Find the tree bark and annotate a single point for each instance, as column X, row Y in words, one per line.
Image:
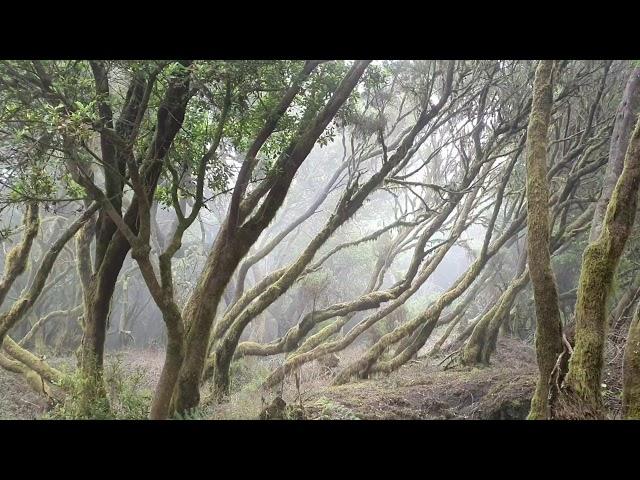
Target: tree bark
column 233, row 243
column 111, row 244
column 15, row 262
column 581, row 395
column 545, row 293
column 622, row 128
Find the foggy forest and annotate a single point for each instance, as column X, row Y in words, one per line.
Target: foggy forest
column 319, row 239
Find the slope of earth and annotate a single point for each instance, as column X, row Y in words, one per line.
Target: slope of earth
column 17, row 400
column 423, row 390
column 419, row 390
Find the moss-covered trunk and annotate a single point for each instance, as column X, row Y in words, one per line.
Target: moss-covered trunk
column 548, row 328
column 581, row 396
column 16, row 259
column 236, row 238
column 482, row 342
column 97, row 304
column 174, row 355
column 198, row 316
column 222, row 357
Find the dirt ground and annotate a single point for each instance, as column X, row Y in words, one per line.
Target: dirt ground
column 17, row 400
column 423, row 390
column 419, row 390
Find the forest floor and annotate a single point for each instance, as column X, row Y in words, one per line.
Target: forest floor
column 423, row 390
column 419, row 390
column 17, row 399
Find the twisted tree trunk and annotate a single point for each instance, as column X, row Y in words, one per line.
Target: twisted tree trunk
column 581, row 387
column 234, row 241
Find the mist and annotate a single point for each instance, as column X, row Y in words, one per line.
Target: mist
column 241, row 239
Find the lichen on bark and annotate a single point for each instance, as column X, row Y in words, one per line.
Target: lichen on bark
column 548, row 328
column 581, row 389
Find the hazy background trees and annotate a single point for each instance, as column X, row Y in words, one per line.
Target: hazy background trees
column 361, row 214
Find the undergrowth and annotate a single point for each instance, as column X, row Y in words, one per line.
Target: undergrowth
column 128, row 397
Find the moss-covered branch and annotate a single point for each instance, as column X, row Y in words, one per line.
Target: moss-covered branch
column 29, row 297
column 15, row 262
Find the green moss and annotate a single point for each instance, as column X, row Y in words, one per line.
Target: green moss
column 330, row 410
column 126, row 397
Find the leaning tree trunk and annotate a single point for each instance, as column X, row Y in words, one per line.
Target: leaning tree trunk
column 485, row 333
column 233, row 243
column 545, row 293
column 622, row 128
column 29, row 297
column 161, row 404
column 581, row 396
column 15, row 261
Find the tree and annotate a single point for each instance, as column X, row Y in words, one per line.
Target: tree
column 581, row 395
column 548, row 331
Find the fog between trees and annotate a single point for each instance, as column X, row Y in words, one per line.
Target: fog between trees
column 268, row 228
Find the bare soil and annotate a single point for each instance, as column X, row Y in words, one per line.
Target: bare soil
column 419, row 390
column 422, row 390
column 17, row 399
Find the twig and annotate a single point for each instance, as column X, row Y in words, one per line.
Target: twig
column 448, row 356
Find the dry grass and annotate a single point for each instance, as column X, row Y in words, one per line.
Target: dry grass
column 17, row 400
column 422, row 390
column 419, row 390
column 612, row 377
